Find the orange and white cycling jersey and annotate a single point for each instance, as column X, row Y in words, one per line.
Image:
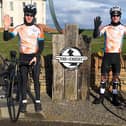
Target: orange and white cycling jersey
column 29, row 36
column 113, row 38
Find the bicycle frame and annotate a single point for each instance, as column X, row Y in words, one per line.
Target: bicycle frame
column 12, row 81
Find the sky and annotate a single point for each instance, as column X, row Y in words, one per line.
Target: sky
column 82, row 12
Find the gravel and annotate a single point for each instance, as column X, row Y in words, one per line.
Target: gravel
column 84, row 111
column 76, row 112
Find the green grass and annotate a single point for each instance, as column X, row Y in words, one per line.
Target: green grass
column 96, row 44
column 7, row 46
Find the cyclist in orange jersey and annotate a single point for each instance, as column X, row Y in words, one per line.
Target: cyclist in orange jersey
column 31, row 44
column 113, row 36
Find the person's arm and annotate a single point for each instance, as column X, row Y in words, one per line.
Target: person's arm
column 124, row 29
column 6, row 34
column 46, row 28
column 40, row 41
column 41, row 47
column 97, row 23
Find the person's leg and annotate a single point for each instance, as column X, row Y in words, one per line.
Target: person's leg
column 102, row 90
column 116, row 72
column 24, row 77
column 104, row 78
column 115, row 85
column 35, row 74
column 103, row 83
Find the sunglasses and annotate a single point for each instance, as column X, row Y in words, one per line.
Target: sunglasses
column 29, row 14
column 115, row 15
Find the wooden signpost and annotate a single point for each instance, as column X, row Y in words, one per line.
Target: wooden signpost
column 70, row 84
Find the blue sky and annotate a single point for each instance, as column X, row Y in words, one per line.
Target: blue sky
column 82, row 12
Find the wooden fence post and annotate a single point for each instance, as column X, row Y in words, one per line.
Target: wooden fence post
column 70, row 84
column 70, row 76
column 58, row 70
column 84, row 74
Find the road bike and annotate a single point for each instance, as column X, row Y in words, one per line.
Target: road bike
column 11, row 84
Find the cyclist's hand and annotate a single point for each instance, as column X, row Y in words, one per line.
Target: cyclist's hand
column 7, row 22
column 33, row 61
column 97, row 22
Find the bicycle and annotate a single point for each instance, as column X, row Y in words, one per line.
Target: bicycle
column 12, row 84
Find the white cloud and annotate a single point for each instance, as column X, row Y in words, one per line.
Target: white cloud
column 82, row 12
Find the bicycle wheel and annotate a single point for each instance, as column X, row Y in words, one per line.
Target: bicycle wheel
column 1, row 60
column 14, row 98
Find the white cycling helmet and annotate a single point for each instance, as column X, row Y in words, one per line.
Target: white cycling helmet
column 116, row 10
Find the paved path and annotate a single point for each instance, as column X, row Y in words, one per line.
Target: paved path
column 66, row 113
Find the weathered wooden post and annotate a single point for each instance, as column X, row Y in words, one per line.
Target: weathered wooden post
column 70, row 76
column 84, row 74
column 58, row 70
column 69, row 50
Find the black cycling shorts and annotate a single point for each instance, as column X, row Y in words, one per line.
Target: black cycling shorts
column 111, row 61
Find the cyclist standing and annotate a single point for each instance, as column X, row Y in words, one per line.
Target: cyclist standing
column 31, row 39
column 113, row 35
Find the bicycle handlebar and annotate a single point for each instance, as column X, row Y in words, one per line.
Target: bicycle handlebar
column 15, row 61
column 19, row 62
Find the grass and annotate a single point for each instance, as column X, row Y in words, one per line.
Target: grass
column 96, row 44
column 7, row 46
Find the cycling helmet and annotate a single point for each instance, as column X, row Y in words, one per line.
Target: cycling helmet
column 116, row 10
column 30, row 9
